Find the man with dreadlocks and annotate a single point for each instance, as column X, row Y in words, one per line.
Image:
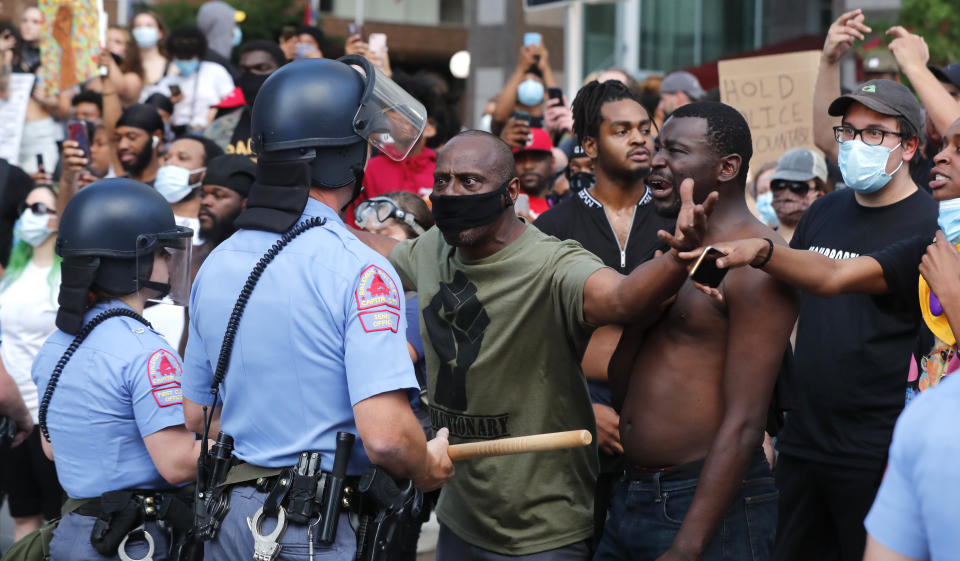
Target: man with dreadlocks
column 693, row 387
column 616, row 221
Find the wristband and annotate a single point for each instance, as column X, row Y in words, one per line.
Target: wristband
column 767, row 258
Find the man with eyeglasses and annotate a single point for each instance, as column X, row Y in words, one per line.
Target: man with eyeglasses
column 800, row 179
column 857, row 327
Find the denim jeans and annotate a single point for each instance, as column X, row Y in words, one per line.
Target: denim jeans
column 71, row 541
column 646, row 515
column 234, row 542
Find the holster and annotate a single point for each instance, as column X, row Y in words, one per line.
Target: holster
column 119, row 514
column 397, row 509
column 212, row 500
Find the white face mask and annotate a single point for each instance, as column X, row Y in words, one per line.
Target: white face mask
column 32, row 228
column 173, row 182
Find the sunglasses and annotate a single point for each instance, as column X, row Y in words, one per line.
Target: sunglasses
column 37, row 208
column 799, row 188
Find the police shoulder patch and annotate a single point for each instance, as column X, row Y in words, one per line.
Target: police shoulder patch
column 377, row 288
column 379, row 320
column 163, row 368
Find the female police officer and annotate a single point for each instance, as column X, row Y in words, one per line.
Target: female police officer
column 111, row 410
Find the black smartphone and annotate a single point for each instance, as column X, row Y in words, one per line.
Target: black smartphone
column 705, row 270
column 174, row 90
column 555, row 93
column 40, row 164
column 521, row 116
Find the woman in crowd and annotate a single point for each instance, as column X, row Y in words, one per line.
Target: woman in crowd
column 148, row 31
column 28, row 308
column 126, row 68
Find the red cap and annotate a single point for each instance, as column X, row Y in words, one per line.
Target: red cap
column 539, row 140
column 233, row 99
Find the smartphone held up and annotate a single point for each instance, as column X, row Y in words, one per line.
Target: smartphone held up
column 705, row 270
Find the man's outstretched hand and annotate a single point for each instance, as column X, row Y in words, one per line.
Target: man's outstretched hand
column 691, row 222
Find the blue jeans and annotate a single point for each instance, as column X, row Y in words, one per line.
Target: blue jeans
column 646, row 515
column 234, row 542
column 71, row 541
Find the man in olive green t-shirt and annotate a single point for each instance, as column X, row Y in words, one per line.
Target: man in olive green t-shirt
column 506, row 312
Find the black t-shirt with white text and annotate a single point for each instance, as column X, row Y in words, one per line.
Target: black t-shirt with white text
column 581, row 217
column 853, row 350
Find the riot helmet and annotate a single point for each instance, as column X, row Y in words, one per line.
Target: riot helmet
column 311, row 125
column 107, row 238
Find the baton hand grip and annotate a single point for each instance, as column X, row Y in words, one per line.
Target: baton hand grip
column 520, row 445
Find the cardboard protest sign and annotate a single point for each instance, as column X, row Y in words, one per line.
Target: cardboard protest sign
column 13, row 111
column 71, row 36
column 775, row 94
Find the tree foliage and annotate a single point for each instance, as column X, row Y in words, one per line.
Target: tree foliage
column 938, row 22
column 265, row 18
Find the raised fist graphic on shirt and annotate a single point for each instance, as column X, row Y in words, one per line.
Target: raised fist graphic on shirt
column 456, row 321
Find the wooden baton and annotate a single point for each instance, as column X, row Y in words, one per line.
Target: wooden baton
column 520, row 444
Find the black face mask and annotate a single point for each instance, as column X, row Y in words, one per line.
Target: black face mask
column 581, row 180
column 457, row 213
column 249, row 83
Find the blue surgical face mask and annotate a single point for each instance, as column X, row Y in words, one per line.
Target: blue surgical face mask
column 864, row 166
column 949, row 219
column 530, row 93
column 173, row 182
column 187, row 67
column 765, row 208
column 304, row 50
column 32, row 228
column 145, row 36
column 237, row 36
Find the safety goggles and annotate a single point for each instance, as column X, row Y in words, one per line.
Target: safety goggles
column 382, row 209
column 799, row 188
column 36, row 208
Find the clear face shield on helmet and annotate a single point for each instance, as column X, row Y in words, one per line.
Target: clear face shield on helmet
column 166, row 256
column 376, row 211
column 389, row 118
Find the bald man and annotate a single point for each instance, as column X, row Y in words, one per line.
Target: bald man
column 506, row 312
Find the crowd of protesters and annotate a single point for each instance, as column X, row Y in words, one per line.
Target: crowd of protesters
column 844, row 236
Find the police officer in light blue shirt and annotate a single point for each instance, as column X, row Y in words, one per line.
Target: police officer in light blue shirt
column 318, row 344
column 111, row 412
column 915, row 513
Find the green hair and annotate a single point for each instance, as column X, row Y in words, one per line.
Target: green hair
column 19, row 258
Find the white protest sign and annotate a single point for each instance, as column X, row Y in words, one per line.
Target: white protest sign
column 13, row 112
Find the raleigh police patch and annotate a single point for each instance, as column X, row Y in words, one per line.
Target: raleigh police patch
column 380, row 320
column 377, row 288
column 163, row 368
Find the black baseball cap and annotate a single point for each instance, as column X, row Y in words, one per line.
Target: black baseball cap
column 885, row 97
column 949, row 73
column 232, row 171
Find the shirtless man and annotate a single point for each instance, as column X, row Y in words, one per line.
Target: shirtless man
column 695, row 386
